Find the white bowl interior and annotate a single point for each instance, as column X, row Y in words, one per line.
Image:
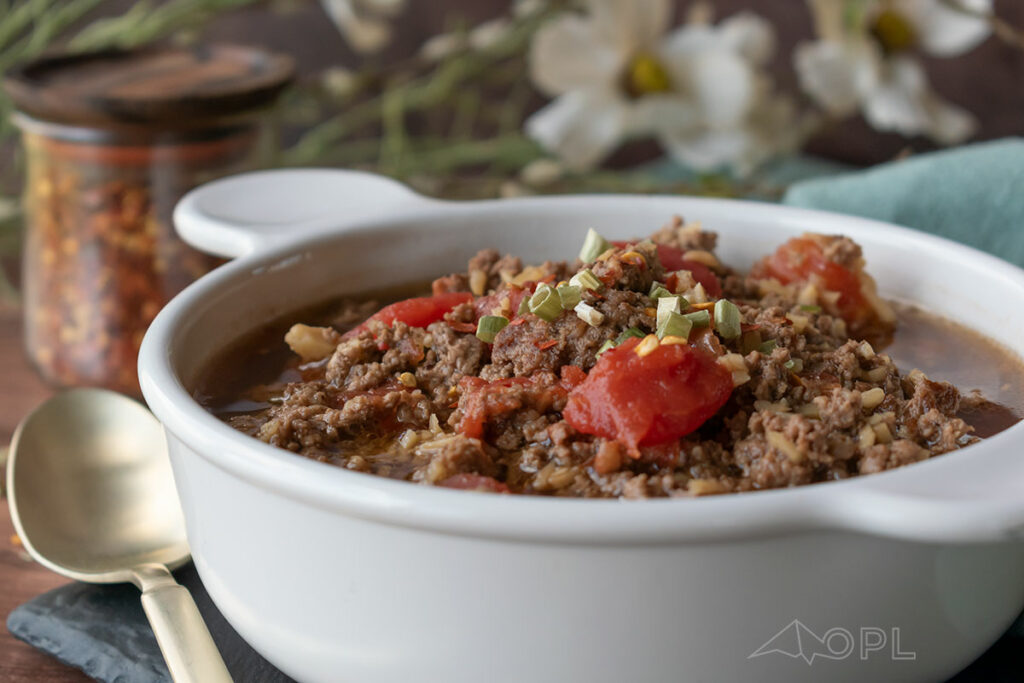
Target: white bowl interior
column 942, row 277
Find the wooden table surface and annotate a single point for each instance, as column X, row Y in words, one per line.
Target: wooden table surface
column 20, row 577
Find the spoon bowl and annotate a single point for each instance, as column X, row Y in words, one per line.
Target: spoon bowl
column 96, row 476
column 92, row 497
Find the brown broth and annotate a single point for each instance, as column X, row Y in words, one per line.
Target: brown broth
column 922, row 341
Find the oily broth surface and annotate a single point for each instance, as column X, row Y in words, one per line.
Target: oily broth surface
column 246, row 374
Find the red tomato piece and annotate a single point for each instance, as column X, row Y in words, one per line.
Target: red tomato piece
column 652, row 399
column 486, row 305
column 672, row 259
column 482, row 400
column 417, row 312
column 474, row 482
column 801, row 258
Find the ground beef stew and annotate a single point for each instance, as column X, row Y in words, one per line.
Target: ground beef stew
column 646, row 368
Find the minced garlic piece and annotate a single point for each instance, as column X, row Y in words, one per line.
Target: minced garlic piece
column 871, row 398
column 781, row 443
column 647, row 345
column 477, row 282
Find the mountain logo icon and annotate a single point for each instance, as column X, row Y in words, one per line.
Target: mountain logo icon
column 797, row 641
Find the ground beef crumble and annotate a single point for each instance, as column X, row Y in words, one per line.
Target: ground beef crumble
column 436, row 405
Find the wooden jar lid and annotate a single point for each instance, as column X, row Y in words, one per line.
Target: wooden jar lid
column 159, row 87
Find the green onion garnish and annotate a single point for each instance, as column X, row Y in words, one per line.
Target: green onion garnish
column 545, row 303
column 604, row 347
column 524, row 306
column 593, row 246
column 674, row 325
column 589, row 314
column 629, row 332
column 489, row 326
column 699, row 318
column 794, row 365
column 666, row 305
column 767, row 347
column 727, row 319
column 659, row 292
column 810, row 308
column 585, row 279
column 569, row 295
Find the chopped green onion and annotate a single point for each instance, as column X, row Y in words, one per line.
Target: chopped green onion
column 666, row 305
column 794, row 365
column 569, row 295
column 699, row 318
column 727, row 319
column 593, row 246
column 810, row 308
column 489, row 326
column 627, row 333
column 604, row 347
column 674, row 325
column 659, row 292
column 545, row 303
column 589, row 314
column 585, row 279
column 524, row 306
column 767, row 347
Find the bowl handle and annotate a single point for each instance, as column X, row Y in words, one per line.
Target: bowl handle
column 240, row 214
column 958, row 498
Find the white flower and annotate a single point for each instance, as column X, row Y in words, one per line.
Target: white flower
column 863, row 61
column 363, row 23
column 615, row 74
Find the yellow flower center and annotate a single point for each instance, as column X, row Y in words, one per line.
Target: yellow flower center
column 645, row 75
column 892, row 31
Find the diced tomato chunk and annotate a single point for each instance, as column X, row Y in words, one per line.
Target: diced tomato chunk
column 672, row 259
column 651, row 399
column 417, row 312
column 802, row 258
column 487, row 305
column 468, row 481
column 482, row 400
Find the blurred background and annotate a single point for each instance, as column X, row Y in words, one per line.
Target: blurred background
column 461, row 99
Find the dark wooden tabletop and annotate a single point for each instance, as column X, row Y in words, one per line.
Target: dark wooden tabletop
column 20, row 577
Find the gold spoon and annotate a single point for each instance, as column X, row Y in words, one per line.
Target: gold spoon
column 92, row 497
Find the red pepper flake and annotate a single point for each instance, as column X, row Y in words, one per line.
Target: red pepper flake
column 546, row 345
column 597, row 295
column 461, row 327
column 382, row 347
column 517, row 321
column 548, row 279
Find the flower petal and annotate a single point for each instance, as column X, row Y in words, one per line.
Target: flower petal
column 719, row 81
column 630, row 25
column 831, row 75
column 944, row 31
column 749, row 35
column 903, row 102
column 581, row 127
column 568, row 54
column 707, row 149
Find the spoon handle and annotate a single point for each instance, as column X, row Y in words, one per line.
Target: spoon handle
column 188, row 648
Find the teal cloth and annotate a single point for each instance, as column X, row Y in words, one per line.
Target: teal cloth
column 972, row 194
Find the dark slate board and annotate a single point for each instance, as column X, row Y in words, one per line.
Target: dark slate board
column 102, row 630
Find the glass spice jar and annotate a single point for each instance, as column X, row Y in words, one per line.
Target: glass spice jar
column 100, row 254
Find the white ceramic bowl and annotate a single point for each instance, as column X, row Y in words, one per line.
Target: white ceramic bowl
column 339, row 576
